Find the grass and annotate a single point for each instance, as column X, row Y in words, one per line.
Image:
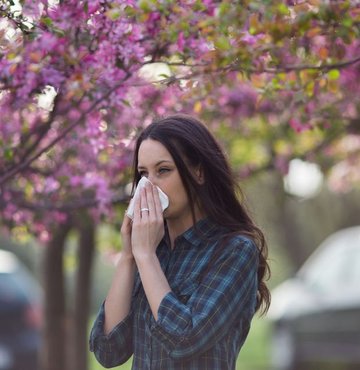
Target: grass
column 254, row 355
column 94, row 365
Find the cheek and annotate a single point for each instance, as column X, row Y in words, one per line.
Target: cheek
column 174, row 195
column 169, row 188
column 175, row 190
column 178, row 198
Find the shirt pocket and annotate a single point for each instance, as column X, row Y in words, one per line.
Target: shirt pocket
column 184, row 289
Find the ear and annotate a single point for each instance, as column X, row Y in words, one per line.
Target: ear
column 199, row 175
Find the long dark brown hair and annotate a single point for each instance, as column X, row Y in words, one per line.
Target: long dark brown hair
column 191, row 145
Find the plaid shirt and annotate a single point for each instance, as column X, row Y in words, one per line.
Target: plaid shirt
column 203, row 322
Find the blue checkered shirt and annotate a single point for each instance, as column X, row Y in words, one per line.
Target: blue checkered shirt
column 204, row 320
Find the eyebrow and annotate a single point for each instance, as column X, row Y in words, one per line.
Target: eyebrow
column 158, row 163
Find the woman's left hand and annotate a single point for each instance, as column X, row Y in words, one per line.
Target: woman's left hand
column 148, row 222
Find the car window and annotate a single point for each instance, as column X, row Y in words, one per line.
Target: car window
column 354, row 271
column 10, row 289
column 335, row 268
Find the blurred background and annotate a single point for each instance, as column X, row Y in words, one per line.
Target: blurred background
column 277, row 82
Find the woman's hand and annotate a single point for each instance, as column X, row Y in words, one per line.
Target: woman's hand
column 148, row 223
column 147, row 232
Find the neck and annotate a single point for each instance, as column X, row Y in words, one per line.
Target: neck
column 175, row 229
column 178, row 226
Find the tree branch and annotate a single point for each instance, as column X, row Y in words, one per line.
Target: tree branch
column 68, row 206
column 44, row 128
column 236, row 67
column 21, row 166
column 278, row 69
column 316, row 149
column 301, row 67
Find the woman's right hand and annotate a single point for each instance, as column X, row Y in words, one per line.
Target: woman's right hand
column 125, row 231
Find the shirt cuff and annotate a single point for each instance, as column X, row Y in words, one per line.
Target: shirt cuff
column 117, row 337
column 171, row 322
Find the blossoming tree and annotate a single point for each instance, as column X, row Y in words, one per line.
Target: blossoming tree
column 79, row 78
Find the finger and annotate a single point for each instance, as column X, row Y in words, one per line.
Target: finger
column 126, row 226
column 137, row 207
column 126, row 220
column 157, row 202
column 144, row 208
column 150, row 200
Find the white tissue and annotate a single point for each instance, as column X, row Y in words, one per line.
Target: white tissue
column 164, row 200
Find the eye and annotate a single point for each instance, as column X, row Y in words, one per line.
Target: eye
column 163, row 170
column 143, row 173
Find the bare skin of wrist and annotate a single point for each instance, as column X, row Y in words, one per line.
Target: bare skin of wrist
column 118, row 300
column 153, row 279
column 126, row 256
column 144, row 255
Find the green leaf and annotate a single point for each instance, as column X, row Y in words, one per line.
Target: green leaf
column 333, row 74
column 224, row 8
column 113, row 14
column 126, row 102
column 8, row 154
column 347, row 22
column 129, row 11
column 145, row 5
column 283, row 9
column 47, row 21
column 222, row 43
column 59, row 32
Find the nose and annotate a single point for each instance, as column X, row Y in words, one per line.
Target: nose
column 152, row 179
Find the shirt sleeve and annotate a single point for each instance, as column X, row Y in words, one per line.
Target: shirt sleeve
column 226, row 294
column 116, row 347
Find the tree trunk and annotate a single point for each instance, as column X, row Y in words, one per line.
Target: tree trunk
column 81, row 309
column 289, row 229
column 55, row 315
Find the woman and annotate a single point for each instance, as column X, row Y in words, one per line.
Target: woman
column 189, row 279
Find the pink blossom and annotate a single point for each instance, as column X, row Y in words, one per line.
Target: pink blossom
column 47, row 41
column 74, row 114
column 180, row 42
column 282, row 164
column 251, row 40
column 92, row 60
column 52, row 76
column 75, row 181
column 239, row 101
column 50, row 185
column 298, row 126
column 59, row 217
column 44, row 236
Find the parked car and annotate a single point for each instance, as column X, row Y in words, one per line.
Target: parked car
column 316, row 314
column 20, row 315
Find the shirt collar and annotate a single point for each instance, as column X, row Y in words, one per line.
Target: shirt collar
column 200, row 231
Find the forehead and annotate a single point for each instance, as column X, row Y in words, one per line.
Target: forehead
column 151, row 152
